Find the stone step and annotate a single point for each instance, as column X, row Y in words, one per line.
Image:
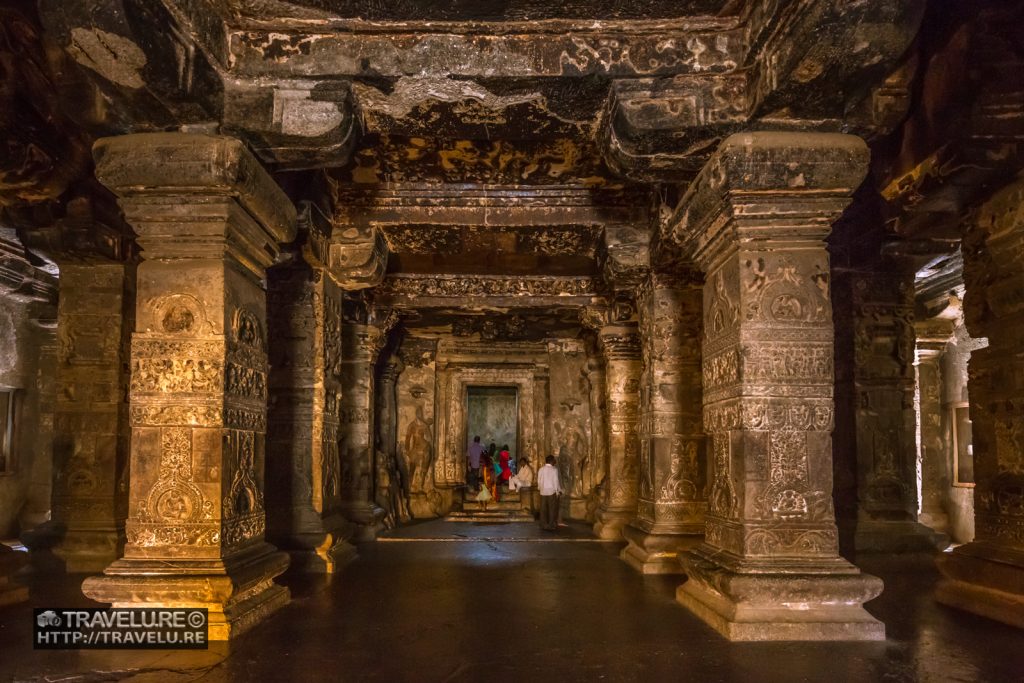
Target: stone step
column 491, row 516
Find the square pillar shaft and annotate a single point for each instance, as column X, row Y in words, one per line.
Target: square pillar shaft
column 208, row 220
column 876, row 308
column 620, row 346
column 361, row 344
column 756, row 219
column 94, row 320
column 986, row 576
column 304, row 507
column 672, row 503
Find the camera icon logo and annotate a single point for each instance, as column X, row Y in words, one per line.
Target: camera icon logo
column 48, row 618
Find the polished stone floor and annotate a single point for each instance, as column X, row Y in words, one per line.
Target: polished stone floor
column 512, row 603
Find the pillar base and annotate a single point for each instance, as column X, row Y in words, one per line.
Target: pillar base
column 89, row 552
column 876, row 536
column 610, row 523
column 239, row 591
column 367, row 518
column 780, row 600
column 331, row 556
column 650, row 552
column 317, row 545
column 985, row 579
column 10, row 562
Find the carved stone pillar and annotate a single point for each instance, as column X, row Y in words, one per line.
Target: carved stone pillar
column 391, row 474
column 620, row 345
column 90, row 497
column 756, row 219
column 208, row 219
column 304, row 505
column 876, row 308
column 361, row 343
column 986, row 576
column 932, row 337
column 672, row 501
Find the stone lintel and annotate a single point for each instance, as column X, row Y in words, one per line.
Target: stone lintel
column 783, row 187
column 176, row 165
column 440, row 291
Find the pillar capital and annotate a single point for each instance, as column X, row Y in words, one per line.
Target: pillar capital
column 196, row 196
column 355, row 257
column 620, row 342
column 766, row 186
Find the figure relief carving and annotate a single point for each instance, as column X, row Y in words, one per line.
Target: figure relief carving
column 176, row 375
column 573, row 455
column 244, row 496
column 786, row 295
column 681, row 482
column 181, row 315
column 419, row 451
column 646, row 470
column 175, row 511
column 723, row 313
column 722, row 500
column 247, row 329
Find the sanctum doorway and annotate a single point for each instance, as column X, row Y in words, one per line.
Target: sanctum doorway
column 492, row 414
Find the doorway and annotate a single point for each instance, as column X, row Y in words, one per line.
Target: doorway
column 492, row 413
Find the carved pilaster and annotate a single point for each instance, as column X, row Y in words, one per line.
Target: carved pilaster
column 987, row 576
column 304, row 506
column 755, row 221
column 208, row 220
column 671, row 500
column 620, row 346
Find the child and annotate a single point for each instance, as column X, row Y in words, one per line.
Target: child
column 483, row 497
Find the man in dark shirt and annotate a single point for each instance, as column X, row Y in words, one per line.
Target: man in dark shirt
column 473, row 455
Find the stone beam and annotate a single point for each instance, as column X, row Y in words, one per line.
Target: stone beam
column 757, row 217
column 811, row 65
column 986, row 576
column 523, row 50
column 444, row 291
column 208, row 220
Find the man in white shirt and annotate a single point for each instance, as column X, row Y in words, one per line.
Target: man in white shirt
column 549, row 489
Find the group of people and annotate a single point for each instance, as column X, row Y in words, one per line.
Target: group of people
column 490, row 472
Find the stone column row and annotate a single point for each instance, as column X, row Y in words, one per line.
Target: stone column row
column 986, row 576
column 208, row 220
column 755, row 221
column 672, row 476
